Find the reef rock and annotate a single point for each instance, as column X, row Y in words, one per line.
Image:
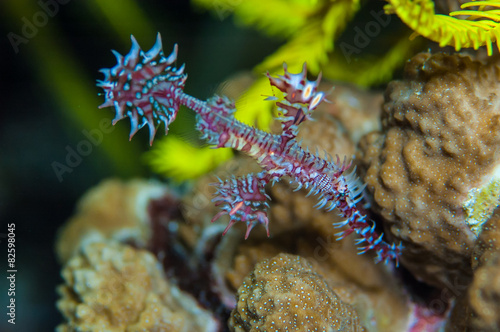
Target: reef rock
column 112, row 210
column 115, row 287
column 434, row 169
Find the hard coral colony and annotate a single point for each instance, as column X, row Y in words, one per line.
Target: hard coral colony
column 147, row 88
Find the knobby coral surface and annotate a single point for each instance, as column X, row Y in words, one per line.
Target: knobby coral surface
column 433, row 170
column 114, row 287
column 379, row 299
column 285, row 294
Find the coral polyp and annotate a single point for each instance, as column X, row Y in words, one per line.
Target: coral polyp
column 146, row 87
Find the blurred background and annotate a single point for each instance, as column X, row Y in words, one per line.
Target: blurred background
column 49, row 66
column 52, row 141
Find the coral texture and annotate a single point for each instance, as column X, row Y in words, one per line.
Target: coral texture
column 484, row 295
column 114, row 287
column 440, row 143
column 380, row 301
column 488, row 242
column 432, row 170
column 285, row 294
column 357, row 110
column 112, row 210
column 478, row 308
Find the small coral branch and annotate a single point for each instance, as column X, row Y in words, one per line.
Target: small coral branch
column 146, row 87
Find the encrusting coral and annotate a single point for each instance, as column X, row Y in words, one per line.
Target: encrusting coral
column 439, row 145
column 484, row 292
column 379, row 300
column 285, row 294
column 110, row 282
column 114, row 287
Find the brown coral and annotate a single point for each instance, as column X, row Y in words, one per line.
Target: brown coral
column 357, row 110
column 484, row 294
column 440, row 142
column 478, row 309
column 112, row 210
column 285, row 294
column 371, row 289
column 114, row 287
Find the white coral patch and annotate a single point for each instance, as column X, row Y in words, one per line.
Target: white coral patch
column 482, row 201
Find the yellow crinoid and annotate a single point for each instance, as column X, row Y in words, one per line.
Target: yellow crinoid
column 480, row 28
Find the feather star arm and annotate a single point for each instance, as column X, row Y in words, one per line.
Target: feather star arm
column 480, row 28
column 148, row 88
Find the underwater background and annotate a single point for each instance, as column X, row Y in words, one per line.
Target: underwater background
column 56, row 144
column 49, row 99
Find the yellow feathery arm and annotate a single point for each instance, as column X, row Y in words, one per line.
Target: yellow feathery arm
column 481, row 28
column 275, row 17
column 314, row 40
column 180, row 160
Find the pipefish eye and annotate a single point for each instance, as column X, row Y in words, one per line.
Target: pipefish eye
column 342, row 192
